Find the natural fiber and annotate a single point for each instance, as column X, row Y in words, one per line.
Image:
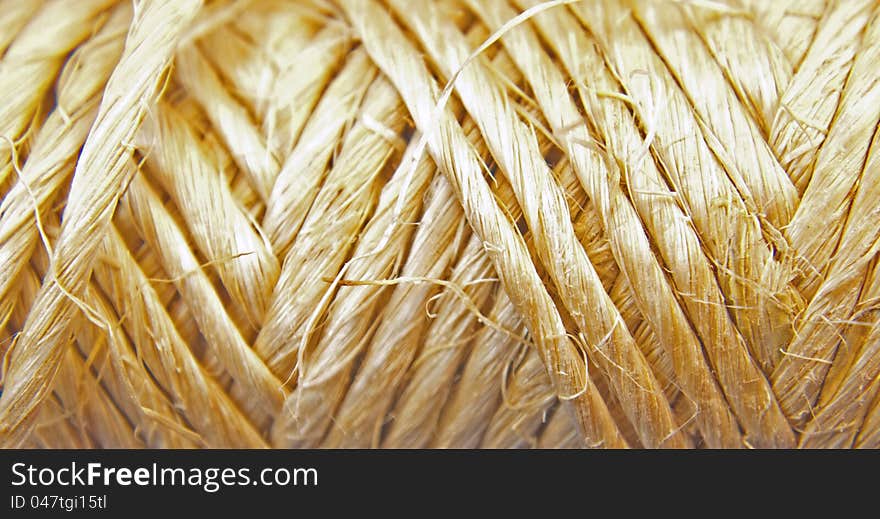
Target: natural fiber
column 440, row 223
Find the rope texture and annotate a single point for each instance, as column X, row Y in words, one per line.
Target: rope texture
column 440, row 223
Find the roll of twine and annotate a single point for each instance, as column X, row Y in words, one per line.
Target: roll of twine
column 440, row 223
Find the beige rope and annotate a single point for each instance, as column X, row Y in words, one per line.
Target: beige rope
column 454, row 223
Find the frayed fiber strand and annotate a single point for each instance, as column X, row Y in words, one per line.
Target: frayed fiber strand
column 440, row 223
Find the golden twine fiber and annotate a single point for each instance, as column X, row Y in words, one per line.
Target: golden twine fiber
column 440, row 223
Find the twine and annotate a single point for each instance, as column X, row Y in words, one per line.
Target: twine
column 439, row 223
